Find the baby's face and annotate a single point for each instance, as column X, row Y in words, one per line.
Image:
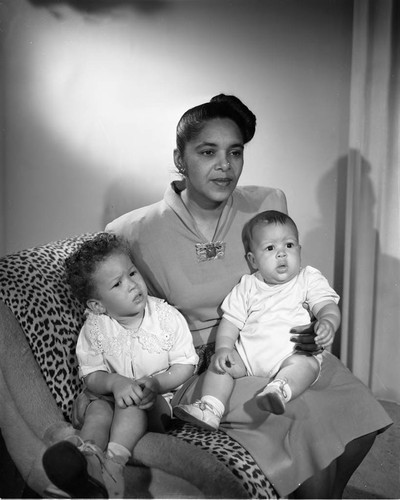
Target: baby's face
column 275, row 252
column 120, row 287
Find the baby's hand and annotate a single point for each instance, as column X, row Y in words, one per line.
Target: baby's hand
column 325, row 333
column 222, row 359
column 127, row 392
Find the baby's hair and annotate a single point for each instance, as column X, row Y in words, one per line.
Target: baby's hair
column 220, row 106
column 267, row 217
column 81, row 265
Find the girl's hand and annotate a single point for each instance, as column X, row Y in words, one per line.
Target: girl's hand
column 127, row 392
column 151, row 389
column 325, row 332
column 222, row 360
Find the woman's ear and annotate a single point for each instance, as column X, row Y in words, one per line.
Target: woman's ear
column 179, row 164
column 252, row 261
column 95, row 306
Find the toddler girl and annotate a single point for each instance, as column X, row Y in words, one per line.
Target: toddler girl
column 132, row 349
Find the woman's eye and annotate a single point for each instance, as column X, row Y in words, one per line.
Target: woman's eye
column 132, row 273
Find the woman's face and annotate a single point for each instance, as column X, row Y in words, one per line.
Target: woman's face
column 212, row 162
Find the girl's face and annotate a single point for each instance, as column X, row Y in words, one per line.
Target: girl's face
column 213, row 162
column 275, row 252
column 120, row 289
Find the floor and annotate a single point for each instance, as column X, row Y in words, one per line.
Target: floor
column 379, row 474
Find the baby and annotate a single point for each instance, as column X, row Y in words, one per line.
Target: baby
column 253, row 337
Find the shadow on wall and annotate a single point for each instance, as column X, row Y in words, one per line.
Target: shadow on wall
column 372, row 295
column 102, row 6
column 332, row 191
column 125, row 194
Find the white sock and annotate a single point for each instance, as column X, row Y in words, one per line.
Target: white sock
column 116, row 449
column 216, row 404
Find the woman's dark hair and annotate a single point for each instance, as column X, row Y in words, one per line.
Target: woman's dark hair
column 267, row 217
column 220, row 106
column 81, row 265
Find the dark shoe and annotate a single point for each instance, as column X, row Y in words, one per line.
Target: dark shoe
column 67, row 468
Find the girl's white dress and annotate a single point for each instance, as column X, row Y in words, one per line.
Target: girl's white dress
column 163, row 339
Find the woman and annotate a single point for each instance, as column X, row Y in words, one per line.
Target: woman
column 188, row 248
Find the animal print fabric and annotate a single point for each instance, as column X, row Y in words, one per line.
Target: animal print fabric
column 32, row 285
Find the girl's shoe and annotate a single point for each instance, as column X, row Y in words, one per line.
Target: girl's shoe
column 113, row 475
column 73, row 469
column 274, row 397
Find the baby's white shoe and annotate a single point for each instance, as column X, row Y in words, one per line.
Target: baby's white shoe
column 199, row 413
column 274, row 397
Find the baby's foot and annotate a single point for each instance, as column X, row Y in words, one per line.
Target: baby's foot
column 199, row 413
column 274, row 397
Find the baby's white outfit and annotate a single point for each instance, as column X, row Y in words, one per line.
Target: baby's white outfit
column 265, row 314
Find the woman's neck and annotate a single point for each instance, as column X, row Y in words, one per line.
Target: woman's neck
column 206, row 217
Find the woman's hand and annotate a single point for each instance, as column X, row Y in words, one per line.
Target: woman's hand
column 151, row 389
column 304, row 338
column 222, row 360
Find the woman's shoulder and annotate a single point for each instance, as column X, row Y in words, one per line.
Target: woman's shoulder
column 261, row 198
column 132, row 221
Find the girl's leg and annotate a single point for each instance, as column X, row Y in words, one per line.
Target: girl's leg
column 76, row 465
column 128, row 427
column 97, row 423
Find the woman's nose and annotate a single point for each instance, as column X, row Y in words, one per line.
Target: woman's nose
column 223, row 163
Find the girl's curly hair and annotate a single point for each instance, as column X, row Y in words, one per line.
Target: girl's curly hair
column 81, row 265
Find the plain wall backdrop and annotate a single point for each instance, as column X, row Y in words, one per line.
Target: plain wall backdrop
column 91, row 102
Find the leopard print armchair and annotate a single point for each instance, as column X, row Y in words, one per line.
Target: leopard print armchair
column 39, row 324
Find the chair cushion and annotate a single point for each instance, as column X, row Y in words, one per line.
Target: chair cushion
column 32, row 286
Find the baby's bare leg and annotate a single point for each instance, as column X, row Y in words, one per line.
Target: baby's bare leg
column 220, row 385
column 300, row 372
column 296, row 374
